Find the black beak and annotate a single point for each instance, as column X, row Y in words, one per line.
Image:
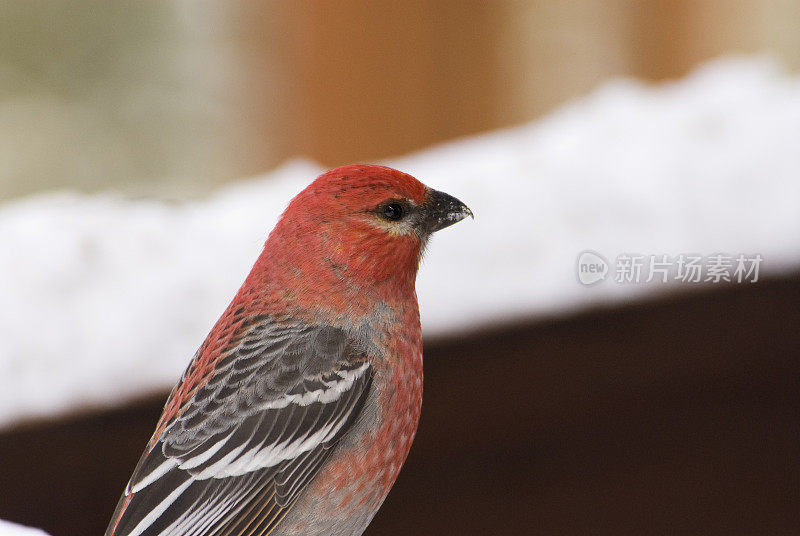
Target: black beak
column 443, row 210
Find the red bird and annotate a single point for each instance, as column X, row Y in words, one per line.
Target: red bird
column 299, row 409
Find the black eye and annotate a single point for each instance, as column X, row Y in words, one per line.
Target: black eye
column 393, row 211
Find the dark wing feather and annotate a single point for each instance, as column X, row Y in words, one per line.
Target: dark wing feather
column 250, row 439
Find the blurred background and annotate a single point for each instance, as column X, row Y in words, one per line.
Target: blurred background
column 675, row 414
column 175, row 98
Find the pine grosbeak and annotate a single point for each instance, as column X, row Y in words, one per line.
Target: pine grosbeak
column 298, row 410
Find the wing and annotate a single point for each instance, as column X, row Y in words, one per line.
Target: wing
column 249, row 440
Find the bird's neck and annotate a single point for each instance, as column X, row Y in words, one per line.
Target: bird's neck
column 351, row 273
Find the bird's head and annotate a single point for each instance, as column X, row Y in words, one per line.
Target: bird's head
column 361, row 225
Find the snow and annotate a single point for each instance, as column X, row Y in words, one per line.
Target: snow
column 12, row 529
column 104, row 299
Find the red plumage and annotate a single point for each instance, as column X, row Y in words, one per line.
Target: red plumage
column 299, row 409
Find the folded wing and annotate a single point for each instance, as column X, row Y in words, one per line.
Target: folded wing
column 251, row 438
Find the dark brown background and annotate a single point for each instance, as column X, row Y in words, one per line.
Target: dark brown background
column 673, row 416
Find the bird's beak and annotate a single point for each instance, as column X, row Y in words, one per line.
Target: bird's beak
column 443, row 210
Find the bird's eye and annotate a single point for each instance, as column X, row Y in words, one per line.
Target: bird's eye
column 393, row 211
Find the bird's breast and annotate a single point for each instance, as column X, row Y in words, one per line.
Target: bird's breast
column 364, row 467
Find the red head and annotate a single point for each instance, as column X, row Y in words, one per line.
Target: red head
column 358, row 229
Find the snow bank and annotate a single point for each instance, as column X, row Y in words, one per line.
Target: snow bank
column 103, row 299
column 12, row 529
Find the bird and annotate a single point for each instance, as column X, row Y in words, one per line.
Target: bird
column 298, row 410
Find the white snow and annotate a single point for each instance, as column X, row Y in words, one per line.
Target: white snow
column 12, row 529
column 104, row 299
